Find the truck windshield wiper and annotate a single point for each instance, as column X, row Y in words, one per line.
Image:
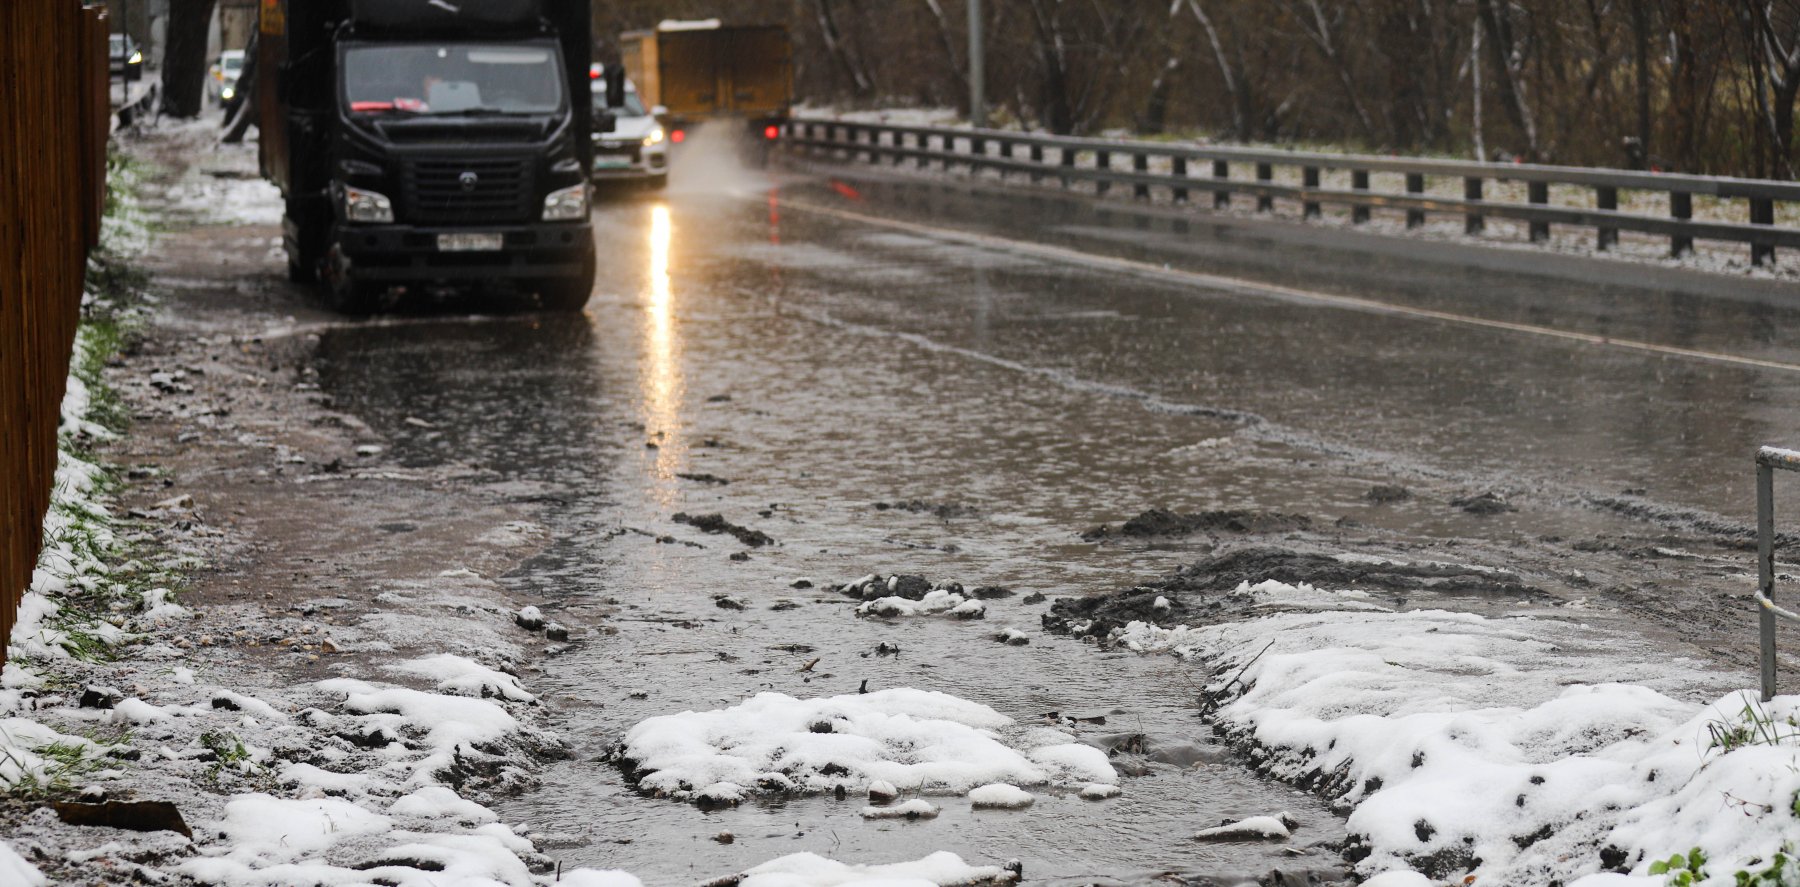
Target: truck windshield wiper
column 478, row 112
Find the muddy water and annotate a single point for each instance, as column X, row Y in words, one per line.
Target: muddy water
column 827, row 372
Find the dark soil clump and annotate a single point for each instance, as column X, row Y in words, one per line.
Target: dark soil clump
column 1206, row 592
column 939, row 510
column 1484, row 504
column 911, row 586
column 1159, row 522
column 716, row 523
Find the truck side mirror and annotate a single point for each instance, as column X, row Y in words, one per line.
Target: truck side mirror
column 615, row 86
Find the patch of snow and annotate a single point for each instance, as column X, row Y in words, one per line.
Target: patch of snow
column 465, row 677
column 448, row 722
column 917, row 808
column 1098, row 791
column 916, row 740
column 14, row 870
column 941, row 869
column 999, row 794
column 935, row 602
column 598, row 878
column 438, row 802
column 1254, row 828
column 1453, row 732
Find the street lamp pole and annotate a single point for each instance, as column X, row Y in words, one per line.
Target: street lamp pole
column 977, row 68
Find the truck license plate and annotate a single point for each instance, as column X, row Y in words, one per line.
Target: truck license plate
column 468, row 242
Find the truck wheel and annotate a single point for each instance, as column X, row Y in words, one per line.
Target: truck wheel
column 301, row 272
column 355, row 298
column 565, row 293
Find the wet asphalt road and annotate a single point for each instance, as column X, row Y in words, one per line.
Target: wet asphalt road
column 833, row 341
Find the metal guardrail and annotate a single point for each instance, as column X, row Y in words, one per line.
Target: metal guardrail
column 1768, row 460
column 1092, row 160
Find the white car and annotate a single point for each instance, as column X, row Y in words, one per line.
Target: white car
column 222, row 80
column 637, row 148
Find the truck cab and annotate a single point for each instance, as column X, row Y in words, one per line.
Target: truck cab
column 420, row 146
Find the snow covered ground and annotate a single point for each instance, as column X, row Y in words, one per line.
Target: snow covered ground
column 1463, row 746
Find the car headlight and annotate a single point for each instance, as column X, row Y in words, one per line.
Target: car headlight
column 137, row 58
column 565, row 204
column 366, row 206
column 654, row 138
column 226, row 93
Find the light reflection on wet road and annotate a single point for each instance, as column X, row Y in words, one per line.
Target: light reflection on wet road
column 821, row 367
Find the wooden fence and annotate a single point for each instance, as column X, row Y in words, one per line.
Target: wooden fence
column 54, row 122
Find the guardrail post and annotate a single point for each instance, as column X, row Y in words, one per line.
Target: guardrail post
column 1681, row 208
column 1359, row 181
column 949, row 149
column 1140, row 163
column 1265, row 173
column 899, row 143
column 874, row 146
column 1102, row 161
column 977, row 147
column 1762, row 212
column 1606, row 197
column 1473, row 222
column 1037, row 160
column 1309, row 177
column 1765, row 572
column 1006, row 153
column 1181, row 193
column 1538, row 193
column 1415, row 184
column 922, row 142
column 1221, row 173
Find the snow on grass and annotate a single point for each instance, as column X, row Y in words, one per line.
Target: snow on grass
column 1462, row 745
column 941, row 869
column 917, row 740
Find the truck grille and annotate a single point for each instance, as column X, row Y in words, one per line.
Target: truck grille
column 472, row 191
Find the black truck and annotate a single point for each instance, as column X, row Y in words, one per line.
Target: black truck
column 425, row 144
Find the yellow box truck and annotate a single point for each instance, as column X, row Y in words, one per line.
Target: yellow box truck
column 702, row 71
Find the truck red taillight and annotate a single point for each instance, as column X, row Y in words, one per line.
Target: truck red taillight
column 678, row 136
column 771, row 132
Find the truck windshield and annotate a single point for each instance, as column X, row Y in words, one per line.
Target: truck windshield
column 453, row 78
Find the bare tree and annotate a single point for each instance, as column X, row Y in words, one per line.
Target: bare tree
column 184, row 61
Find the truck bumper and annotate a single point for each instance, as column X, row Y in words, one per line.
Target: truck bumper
column 408, row 253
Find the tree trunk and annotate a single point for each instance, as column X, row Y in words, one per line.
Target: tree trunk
column 834, row 44
column 1640, row 35
column 1512, row 93
column 1156, row 108
column 184, row 61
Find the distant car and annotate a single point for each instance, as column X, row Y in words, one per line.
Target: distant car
column 637, row 147
column 127, row 58
column 222, row 82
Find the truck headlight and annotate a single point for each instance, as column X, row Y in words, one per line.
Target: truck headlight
column 366, row 206
column 654, row 138
column 565, row 204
